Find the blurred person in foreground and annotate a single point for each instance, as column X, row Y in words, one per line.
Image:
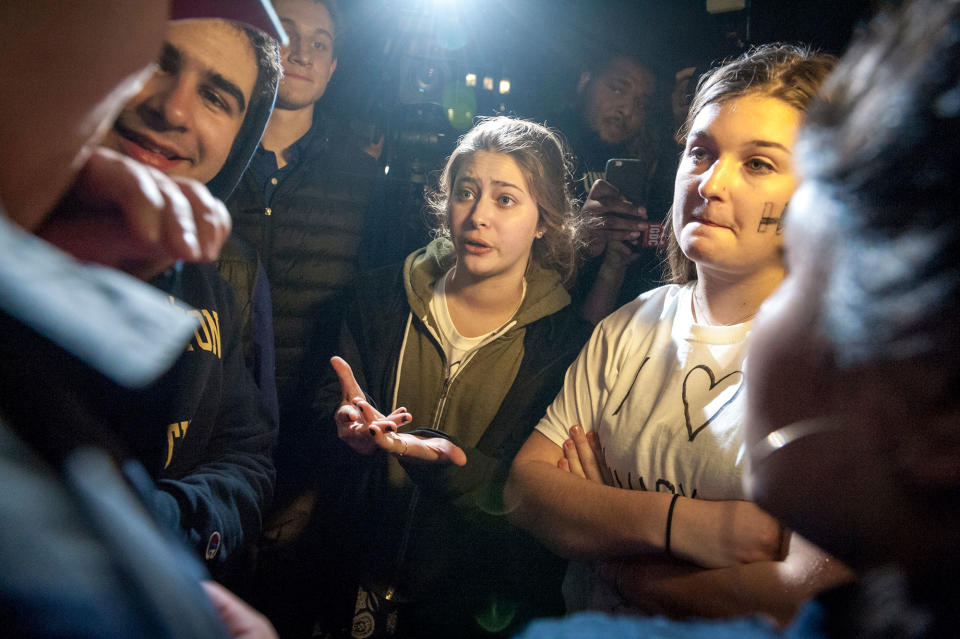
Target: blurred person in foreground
column 853, row 418
column 80, row 556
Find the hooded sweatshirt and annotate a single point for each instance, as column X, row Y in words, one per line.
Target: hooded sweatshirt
column 463, row 405
column 461, row 568
column 240, row 263
column 213, row 415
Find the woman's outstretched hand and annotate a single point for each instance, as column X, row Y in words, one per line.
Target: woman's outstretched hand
column 365, row 429
column 360, row 425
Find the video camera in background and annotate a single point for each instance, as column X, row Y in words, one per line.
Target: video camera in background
column 431, row 94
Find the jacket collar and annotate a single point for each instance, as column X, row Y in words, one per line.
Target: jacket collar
column 422, row 268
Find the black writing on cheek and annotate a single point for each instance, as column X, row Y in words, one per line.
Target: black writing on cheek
column 767, row 219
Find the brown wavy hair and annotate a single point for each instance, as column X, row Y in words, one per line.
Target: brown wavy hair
column 787, row 72
column 544, row 160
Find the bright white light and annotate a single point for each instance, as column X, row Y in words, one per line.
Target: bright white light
column 488, row 83
column 471, row 80
column 504, row 86
column 386, row 170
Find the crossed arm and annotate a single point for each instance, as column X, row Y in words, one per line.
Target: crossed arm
column 729, row 549
column 591, row 520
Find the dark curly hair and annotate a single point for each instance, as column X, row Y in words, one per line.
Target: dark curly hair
column 880, row 182
column 266, row 50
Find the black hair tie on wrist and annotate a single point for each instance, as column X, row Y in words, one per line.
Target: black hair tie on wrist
column 666, row 544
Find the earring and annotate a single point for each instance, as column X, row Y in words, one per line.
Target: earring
column 539, row 234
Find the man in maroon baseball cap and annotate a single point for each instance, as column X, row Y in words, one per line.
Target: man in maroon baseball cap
column 256, row 13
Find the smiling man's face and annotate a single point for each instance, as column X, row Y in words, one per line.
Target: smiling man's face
column 309, row 61
column 188, row 114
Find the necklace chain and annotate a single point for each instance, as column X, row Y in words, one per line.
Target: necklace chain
column 697, row 316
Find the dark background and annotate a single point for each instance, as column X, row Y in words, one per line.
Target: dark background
column 402, row 67
column 540, row 45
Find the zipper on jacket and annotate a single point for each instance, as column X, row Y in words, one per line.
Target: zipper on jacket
column 448, row 379
column 441, row 401
column 391, row 591
column 415, row 496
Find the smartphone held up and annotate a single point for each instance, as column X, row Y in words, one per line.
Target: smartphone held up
column 631, row 178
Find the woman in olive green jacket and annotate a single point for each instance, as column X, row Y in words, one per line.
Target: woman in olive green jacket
column 459, row 353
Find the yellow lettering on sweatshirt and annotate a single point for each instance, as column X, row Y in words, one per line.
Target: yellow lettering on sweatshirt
column 175, row 431
column 206, row 336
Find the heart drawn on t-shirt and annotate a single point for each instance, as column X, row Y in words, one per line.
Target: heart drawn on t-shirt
column 696, row 384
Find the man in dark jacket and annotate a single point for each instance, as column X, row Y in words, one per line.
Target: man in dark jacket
column 301, row 203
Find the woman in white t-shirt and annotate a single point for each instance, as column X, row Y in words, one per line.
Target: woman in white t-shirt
column 636, row 468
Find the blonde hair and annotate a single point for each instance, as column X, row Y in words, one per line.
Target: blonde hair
column 544, row 161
